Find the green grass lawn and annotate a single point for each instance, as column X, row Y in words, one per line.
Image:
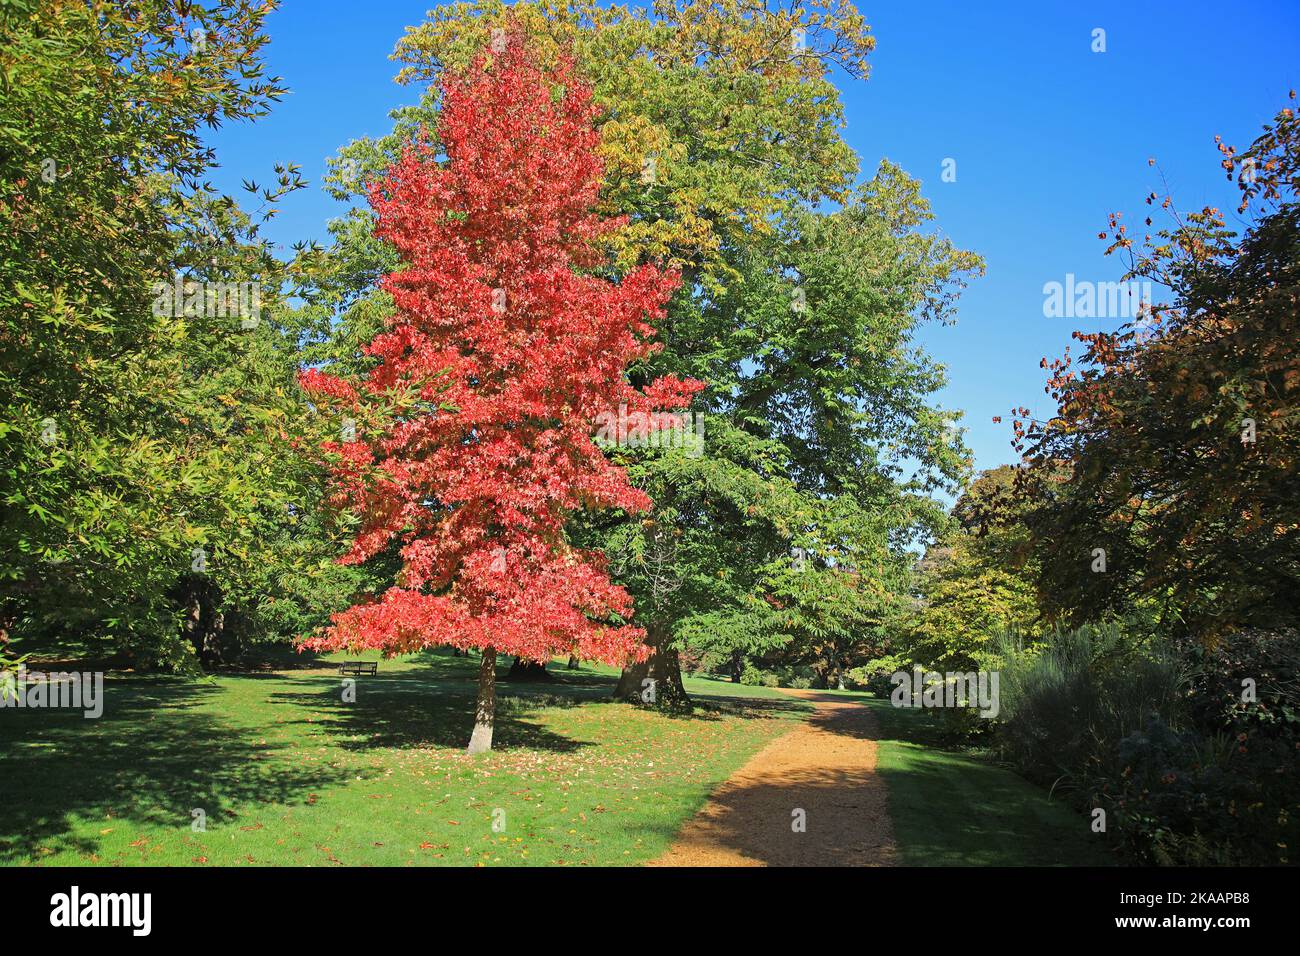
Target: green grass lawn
column 287, row 773
column 954, row 808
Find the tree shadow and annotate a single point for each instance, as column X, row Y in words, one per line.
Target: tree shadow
column 717, row 706
column 151, row 758
column 960, row 807
column 269, row 659
column 810, row 817
column 413, row 710
column 843, row 721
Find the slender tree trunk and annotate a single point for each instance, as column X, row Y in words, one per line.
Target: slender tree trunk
column 193, row 627
column 485, row 710
column 573, row 662
column 835, row 673
column 216, row 639
column 737, row 666
column 657, row 679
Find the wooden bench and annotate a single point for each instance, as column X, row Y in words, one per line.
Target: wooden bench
column 359, row 667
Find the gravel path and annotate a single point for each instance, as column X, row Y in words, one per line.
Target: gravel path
column 825, row 768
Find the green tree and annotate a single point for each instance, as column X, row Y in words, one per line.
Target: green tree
column 801, row 294
column 1166, row 482
column 146, row 358
column 975, row 583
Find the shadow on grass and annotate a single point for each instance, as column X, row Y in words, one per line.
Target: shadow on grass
column 150, row 759
column 166, row 745
column 433, row 707
column 709, row 705
column 957, row 807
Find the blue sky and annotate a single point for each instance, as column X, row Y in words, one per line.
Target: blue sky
column 1047, row 137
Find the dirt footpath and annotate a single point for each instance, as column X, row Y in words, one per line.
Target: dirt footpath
column 827, row 769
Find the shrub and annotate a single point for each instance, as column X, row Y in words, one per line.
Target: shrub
column 1250, row 733
column 1173, row 789
column 1189, row 768
column 1066, row 706
column 873, row 677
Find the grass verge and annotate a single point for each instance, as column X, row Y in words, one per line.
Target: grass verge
column 960, row 808
column 285, row 773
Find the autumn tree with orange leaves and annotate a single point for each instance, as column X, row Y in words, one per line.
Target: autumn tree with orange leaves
column 513, row 345
column 1174, row 452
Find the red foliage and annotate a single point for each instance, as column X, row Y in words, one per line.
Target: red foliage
column 514, row 352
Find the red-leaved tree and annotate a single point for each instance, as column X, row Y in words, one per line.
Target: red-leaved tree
column 514, row 346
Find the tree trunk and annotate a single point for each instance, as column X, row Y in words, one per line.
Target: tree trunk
column 737, row 666
column 193, row 627
column 204, row 626
column 835, row 674
column 656, row 680
column 485, row 710
column 573, row 662
column 216, row 639
column 525, row 670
